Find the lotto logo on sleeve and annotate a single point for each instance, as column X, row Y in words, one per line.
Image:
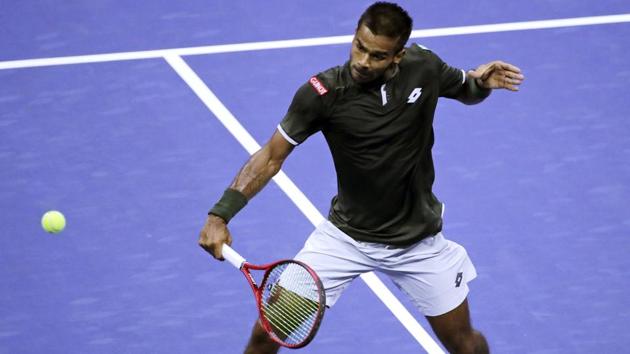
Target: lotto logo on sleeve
column 318, row 86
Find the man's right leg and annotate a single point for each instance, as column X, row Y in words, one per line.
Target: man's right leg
column 336, row 260
column 260, row 342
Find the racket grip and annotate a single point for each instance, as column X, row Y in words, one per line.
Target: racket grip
column 231, row 256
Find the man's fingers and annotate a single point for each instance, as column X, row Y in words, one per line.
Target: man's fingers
column 212, row 248
column 501, row 65
column 217, row 251
column 511, row 87
column 212, row 237
column 513, row 81
column 508, row 67
column 504, row 68
column 202, row 242
column 512, row 75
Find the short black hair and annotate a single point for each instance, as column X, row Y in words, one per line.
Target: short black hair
column 387, row 19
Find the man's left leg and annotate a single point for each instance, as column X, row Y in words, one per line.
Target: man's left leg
column 456, row 333
column 435, row 273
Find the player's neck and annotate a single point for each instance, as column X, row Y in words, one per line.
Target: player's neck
column 390, row 72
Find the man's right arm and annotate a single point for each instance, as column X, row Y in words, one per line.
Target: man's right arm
column 250, row 180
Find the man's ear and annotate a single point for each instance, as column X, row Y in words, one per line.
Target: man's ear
column 398, row 57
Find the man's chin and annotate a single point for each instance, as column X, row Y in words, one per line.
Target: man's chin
column 359, row 78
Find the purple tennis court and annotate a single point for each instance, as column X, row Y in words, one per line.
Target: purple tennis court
column 132, row 119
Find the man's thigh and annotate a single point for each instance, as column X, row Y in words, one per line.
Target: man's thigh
column 335, row 258
column 434, row 273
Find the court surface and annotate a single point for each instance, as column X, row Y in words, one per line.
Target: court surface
column 123, row 126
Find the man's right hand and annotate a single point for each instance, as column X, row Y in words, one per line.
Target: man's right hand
column 213, row 235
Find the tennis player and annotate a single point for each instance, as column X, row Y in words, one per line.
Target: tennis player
column 376, row 113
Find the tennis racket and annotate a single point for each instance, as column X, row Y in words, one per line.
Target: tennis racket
column 290, row 298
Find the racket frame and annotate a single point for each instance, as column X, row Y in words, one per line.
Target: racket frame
column 241, row 264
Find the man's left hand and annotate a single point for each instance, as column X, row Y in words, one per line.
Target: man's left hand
column 498, row 74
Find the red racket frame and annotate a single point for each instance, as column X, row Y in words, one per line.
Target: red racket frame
column 245, row 269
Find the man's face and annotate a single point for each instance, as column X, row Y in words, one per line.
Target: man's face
column 372, row 55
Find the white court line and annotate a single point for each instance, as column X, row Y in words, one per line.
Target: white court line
column 295, row 194
column 308, row 42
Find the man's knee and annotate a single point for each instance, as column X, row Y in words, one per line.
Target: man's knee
column 468, row 342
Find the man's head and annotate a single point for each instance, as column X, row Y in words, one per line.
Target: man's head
column 379, row 41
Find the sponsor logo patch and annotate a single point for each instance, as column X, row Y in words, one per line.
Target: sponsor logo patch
column 318, row 86
column 458, row 279
column 415, row 94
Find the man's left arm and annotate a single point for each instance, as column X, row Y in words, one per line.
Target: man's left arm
column 494, row 75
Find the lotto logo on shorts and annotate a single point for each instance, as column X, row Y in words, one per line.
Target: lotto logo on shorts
column 318, row 86
column 458, row 280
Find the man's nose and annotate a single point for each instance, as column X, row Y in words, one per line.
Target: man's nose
column 364, row 61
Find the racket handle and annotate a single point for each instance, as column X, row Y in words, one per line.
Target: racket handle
column 231, row 256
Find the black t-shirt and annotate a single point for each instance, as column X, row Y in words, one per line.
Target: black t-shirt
column 380, row 137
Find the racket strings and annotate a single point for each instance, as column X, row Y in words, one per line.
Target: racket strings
column 292, row 310
column 287, row 310
column 291, row 302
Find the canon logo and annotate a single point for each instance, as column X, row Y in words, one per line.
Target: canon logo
column 317, row 85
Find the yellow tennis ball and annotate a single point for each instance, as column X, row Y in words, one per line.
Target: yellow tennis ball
column 53, row 222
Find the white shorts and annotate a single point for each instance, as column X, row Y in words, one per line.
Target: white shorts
column 433, row 272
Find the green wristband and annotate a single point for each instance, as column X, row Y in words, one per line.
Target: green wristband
column 230, row 203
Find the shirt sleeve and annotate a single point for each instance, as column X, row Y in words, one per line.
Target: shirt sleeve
column 304, row 116
column 451, row 80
